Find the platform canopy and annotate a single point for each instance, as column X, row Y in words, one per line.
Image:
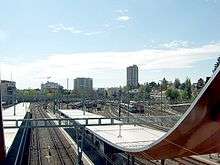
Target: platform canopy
column 8, row 113
column 128, row 138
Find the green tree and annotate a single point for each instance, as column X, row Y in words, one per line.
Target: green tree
column 141, row 90
column 216, row 64
column 184, row 95
column 200, row 83
column 177, row 83
column 153, row 85
column 188, row 89
column 164, row 84
column 173, row 94
column 182, row 86
column 144, row 91
column 147, row 91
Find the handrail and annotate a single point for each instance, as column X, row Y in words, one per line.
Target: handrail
column 70, row 122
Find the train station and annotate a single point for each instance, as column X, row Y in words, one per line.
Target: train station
column 37, row 132
column 110, row 82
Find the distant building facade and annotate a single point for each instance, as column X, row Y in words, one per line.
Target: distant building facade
column 83, row 84
column 51, row 87
column 8, row 89
column 101, row 92
column 113, row 92
column 132, row 76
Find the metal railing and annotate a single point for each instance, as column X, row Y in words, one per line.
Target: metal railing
column 72, row 122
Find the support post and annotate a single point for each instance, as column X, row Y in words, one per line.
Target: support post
column 119, row 135
column 163, row 162
column 14, row 102
column 132, row 160
column 80, row 144
column 128, row 159
column 54, row 106
column 2, row 139
column 119, row 109
column 128, row 111
column 83, row 106
column 161, row 101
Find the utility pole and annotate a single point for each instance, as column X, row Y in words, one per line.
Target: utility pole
column 161, row 97
column 14, row 101
column 161, row 94
column 67, row 87
column 119, row 109
column 13, row 96
column 119, row 113
column 128, row 108
column 83, row 106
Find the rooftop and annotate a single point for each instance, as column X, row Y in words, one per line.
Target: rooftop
column 131, row 138
column 8, row 113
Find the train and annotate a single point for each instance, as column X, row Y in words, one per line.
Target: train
column 134, row 107
column 88, row 104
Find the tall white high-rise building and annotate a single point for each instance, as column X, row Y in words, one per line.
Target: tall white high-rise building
column 132, row 76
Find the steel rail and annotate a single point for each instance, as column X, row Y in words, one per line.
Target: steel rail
column 59, row 139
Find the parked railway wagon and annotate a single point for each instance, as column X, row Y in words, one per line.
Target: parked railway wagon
column 138, row 107
column 134, row 107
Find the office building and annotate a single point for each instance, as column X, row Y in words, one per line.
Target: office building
column 83, row 84
column 51, row 87
column 8, row 89
column 132, row 77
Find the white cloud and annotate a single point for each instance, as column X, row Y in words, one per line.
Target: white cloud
column 122, row 11
column 123, row 18
column 99, row 29
column 109, row 26
column 105, row 65
column 93, row 33
column 173, row 44
column 176, row 44
column 122, row 15
column 61, row 27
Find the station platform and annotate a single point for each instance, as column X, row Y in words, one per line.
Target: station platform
column 8, row 113
column 128, row 138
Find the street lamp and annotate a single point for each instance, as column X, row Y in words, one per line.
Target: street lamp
column 83, row 106
column 14, row 100
column 129, row 98
column 161, row 101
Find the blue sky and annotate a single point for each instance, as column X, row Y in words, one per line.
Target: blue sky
column 98, row 39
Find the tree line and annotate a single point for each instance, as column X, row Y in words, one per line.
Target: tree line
column 174, row 92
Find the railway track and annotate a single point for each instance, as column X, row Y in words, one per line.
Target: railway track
column 48, row 145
